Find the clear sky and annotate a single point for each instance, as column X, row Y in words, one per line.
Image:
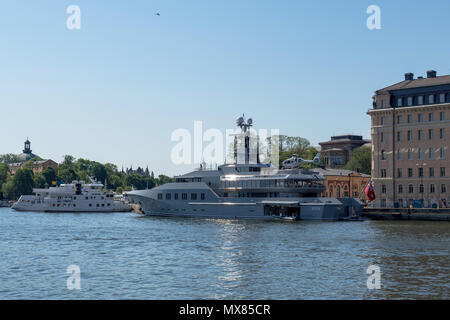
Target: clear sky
column 115, row 90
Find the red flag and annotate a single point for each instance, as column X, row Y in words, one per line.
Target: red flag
column 370, row 192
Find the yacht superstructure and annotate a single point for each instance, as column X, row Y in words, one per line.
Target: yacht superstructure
column 243, row 190
column 73, row 197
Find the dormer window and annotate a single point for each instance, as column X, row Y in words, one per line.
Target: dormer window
column 410, row 101
column 399, row 102
column 420, row 100
column 442, row 98
column 431, row 99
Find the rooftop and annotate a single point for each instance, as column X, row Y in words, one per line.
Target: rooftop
column 410, row 82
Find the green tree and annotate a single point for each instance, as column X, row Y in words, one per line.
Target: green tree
column 9, row 158
column 49, row 175
column 4, row 172
column 98, row 171
column 9, row 190
column 136, row 181
column 360, row 160
column 39, row 181
column 163, row 179
column 66, row 170
column 21, row 184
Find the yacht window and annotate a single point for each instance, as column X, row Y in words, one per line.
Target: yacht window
column 168, row 196
column 193, row 196
column 184, row 196
column 159, row 196
column 202, row 196
column 175, row 196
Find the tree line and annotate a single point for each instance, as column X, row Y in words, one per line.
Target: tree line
column 71, row 169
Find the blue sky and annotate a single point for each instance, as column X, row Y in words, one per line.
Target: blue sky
column 116, row 89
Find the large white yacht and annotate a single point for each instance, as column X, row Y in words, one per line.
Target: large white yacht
column 245, row 190
column 73, row 197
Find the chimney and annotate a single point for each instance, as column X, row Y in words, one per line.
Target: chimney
column 409, row 76
column 431, row 74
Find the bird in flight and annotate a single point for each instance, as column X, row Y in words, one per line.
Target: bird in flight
column 157, row 14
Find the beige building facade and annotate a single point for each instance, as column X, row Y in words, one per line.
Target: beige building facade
column 410, row 128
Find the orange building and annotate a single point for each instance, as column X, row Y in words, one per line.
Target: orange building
column 341, row 183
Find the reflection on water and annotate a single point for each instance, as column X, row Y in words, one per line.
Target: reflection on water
column 128, row 256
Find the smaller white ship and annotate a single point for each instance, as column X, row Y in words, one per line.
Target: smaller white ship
column 73, row 197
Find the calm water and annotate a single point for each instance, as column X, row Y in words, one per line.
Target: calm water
column 127, row 256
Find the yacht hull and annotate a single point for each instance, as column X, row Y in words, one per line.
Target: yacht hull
column 255, row 209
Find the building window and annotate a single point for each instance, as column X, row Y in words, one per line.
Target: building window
column 399, row 172
column 400, row 188
column 421, row 188
column 410, row 188
column 383, row 173
column 430, row 117
column 431, row 99
column 441, row 116
column 420, row 100
column 430, row 134
column 443, row 188
column 399, row 102
column 420, row 154
column 399, row 136
column 432, row 188
column 442, row 98
column 431, row 153
column 383, row 188
column 420, row 172
column 410, row 101
column 420, row 117
column 409, row 154
column 419, row 134
column 409, row 135
column 383, row 104
column 383, row 120
column 382, row 137
column 399, row 154
column 383, row 155
column 442, row 172
column 410, row 172
column 431, row 172
column 441, row 133
column 442, row 153
column 331, row 191
column 399, row 119
column 409, row 118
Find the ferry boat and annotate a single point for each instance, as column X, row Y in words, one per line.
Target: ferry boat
column 246, row 191
column 73, row 197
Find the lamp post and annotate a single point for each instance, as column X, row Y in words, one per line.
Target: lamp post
column 421, row 180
